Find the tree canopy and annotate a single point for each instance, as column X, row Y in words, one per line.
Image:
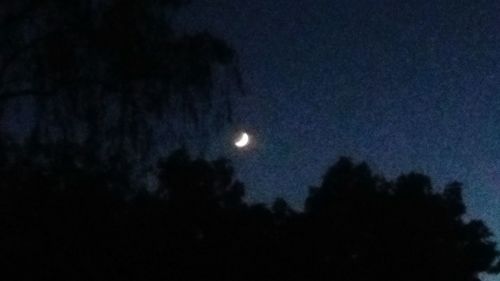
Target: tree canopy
column 104, row 73
column 403, row 229
column 68, row 222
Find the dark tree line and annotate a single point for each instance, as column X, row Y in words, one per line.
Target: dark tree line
column 69, row 223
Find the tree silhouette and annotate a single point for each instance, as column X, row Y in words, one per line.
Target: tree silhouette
column 105, row 73
column 63, row 221
column 367, row 227
column 213, row 186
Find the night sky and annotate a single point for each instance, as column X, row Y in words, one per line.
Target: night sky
column 403, row 85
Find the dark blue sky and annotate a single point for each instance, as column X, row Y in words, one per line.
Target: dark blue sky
column 403, row 85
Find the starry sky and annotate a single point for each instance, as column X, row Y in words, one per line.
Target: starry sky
column 403, row 85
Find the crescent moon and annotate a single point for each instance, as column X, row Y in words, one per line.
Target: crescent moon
column 243, row 140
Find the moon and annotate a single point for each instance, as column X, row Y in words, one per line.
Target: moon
column 242, row 141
